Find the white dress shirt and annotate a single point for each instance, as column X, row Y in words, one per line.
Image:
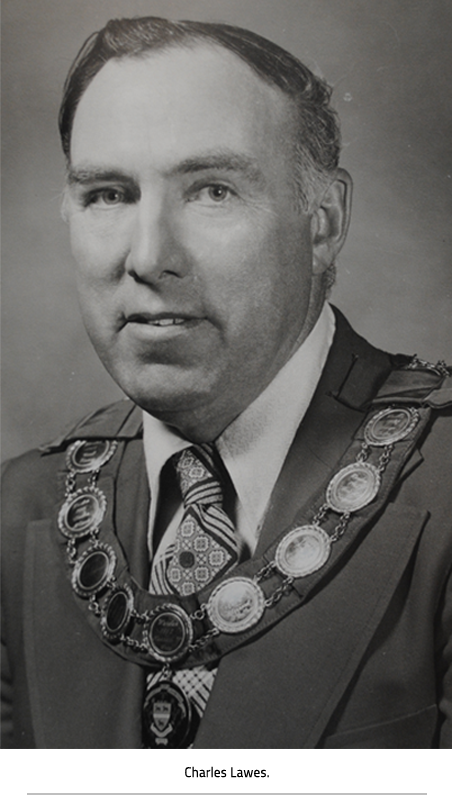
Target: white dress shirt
column 254, row 446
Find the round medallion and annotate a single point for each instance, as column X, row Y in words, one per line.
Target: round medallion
column 169, row 633
column 353, row 487
column 302, row 551
column 168, row 718
column 89, row 456
column 82, row 513
column 93, row 570
column 236, row 605
column 390, row 425
column 116, row 612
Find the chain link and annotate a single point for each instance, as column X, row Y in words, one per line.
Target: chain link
column 321, row 514
column 341, row 527
column 265, row 572
column 71, row 551
column 92, row 478
column 71, row 479
column 200, row 613
column 94, row 606
column 133, row 643
column 284, row 588
column 203, row 640
column 385, row 458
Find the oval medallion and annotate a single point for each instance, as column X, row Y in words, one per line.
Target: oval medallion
column 89, row 456
column 93, row 570
column 168, row 718
column 302, row 551
column 82, row 513
column 390, row 425
column 116, row 612
column 353, row 487
column 169, row 633
column 236, row 605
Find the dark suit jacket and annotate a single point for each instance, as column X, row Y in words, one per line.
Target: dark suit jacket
column 366, row 663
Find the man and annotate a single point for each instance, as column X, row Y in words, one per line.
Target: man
column 253, row 552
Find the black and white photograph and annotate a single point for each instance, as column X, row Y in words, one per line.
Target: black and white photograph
column 226, row 377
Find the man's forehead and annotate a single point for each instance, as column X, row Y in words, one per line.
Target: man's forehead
column 204, row 67
column 202, row 93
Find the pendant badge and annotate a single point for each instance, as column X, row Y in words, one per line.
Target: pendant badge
column 390, row 425
column 168, row 719
column 89, row 456
column 82, row 513
column 169, row 633
column 236, row 605
column 353, row 487
column 302, row 551
column 116, row 613
column 93, row 570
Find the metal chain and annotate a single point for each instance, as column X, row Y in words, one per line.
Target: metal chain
column 94, row 606
column 341, row 527
column 203, row 640
column 266, row 571
column 71, row 482
column 71, row 551
column 385, row 458
column 92, row 478
column 363, row 454
column 284, row 588
column 321, row 514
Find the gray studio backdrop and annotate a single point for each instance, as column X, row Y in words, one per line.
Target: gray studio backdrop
column 390, row 63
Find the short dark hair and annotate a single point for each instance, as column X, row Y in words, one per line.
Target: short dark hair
column 318, row 143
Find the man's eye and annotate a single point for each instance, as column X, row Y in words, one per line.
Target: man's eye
column 217, row 192
column 107, row 197
column 213, row 193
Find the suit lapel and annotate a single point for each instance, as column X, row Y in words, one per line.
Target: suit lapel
column 353, row 369
column 281, row 691
column 78, row 692
column 304, row 664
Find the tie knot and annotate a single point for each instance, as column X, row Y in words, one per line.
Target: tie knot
column 199, row 477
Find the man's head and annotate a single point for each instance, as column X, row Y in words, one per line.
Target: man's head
column 205, row 207
column 318, row 134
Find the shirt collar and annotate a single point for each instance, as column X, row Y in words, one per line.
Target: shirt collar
column 254, row 446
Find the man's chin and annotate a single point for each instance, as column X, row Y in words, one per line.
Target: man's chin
column 166, row 401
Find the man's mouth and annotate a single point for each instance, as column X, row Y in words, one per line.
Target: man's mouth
column 163, row 323
column 161, row 320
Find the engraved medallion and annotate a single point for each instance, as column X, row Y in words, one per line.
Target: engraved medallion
column 236, row 605
column 302, row 551
column 353, row 487
column 93, row 570
column 82, row 513
column 390, row 425
column 89, row 456
column 116, row 612
column 169, row 721
column 169, row 633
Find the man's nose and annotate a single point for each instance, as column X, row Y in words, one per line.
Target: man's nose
column 156, row 250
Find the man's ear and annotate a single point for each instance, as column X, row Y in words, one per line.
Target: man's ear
column 330, row 221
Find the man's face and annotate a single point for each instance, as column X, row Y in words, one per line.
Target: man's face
column 194, row 258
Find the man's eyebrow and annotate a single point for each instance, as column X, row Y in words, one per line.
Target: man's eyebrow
column 222, row 161
column 87, row 175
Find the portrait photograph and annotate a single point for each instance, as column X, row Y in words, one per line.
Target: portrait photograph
column 227, row 381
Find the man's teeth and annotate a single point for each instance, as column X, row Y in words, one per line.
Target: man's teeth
column 171, row 321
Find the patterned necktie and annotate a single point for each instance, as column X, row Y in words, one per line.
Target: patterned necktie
column 205, row 548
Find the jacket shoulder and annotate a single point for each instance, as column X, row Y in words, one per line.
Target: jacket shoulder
column 30, row 481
